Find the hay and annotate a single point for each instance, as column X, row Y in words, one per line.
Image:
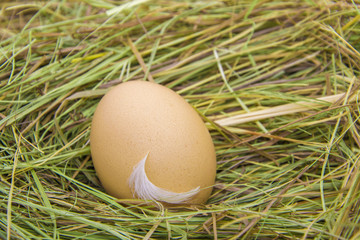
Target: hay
column 290, row 172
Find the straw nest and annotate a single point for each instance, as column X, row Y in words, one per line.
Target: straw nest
column 277, row 83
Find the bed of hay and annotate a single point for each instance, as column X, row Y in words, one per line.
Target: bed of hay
column 277, row 83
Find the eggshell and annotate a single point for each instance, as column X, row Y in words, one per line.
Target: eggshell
column 137, row 118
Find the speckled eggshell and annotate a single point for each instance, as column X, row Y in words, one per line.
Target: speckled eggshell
column 139, row 117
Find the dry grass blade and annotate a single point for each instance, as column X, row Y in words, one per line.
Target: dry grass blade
column 283, row 110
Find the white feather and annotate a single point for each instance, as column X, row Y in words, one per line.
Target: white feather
column 143, row 188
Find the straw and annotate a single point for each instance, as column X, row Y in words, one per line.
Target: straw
column 276, row 83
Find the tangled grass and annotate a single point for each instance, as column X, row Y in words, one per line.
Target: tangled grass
column 277, row 83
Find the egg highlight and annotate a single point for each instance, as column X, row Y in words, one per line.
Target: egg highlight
column 147, row 142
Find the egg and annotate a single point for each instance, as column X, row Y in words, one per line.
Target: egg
column 147, row 142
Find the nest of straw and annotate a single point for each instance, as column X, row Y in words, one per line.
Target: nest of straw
column 277, row 83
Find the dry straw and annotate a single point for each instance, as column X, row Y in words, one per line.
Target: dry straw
column 277, row 83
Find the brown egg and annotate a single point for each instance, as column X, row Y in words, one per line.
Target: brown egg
column 148, row 142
